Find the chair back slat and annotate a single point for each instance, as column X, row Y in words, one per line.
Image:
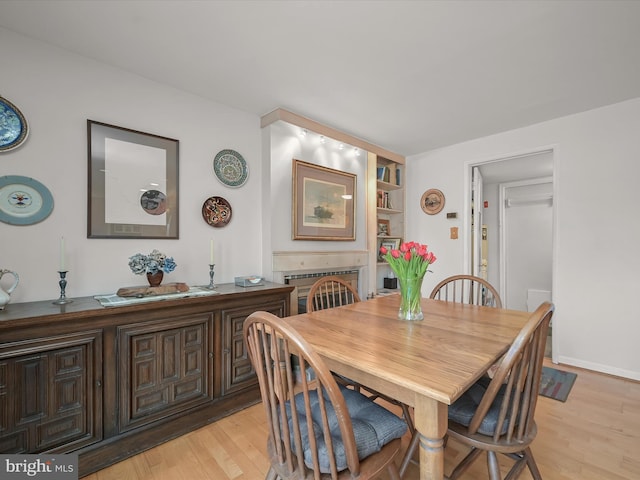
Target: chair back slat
column 271, row 345
column 329, row 292
column 515, row 384
column 467, row 289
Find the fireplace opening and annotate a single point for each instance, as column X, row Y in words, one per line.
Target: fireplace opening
column 304, row 281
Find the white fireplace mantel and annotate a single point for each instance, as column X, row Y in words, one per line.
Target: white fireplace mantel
column 291, row 262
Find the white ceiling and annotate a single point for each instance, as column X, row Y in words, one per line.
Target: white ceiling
column 408, row 76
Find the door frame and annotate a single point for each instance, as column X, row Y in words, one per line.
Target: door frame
column 467, row 234
column 502, row 246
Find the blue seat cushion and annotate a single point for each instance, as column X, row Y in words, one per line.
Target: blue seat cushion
column 463, row 409
column 373, row 425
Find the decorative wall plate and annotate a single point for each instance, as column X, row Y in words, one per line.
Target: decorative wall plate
column 230, row 168
column 432, row 201
column 23, row 200
column 154, row 202
column 13, row 126
column 216, row 211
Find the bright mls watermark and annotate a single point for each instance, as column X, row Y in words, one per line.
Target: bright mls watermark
column 50, row 467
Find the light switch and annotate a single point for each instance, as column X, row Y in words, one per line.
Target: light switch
column 454, row 233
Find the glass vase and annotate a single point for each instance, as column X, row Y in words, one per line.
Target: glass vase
column 410, row 296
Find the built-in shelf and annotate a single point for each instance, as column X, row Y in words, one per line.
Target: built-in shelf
column 389, row 211
column 390, row 203
column 387, row 186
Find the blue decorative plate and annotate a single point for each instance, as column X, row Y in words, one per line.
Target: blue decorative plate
column 13, row 126
column 230, row 168
column 23, row 200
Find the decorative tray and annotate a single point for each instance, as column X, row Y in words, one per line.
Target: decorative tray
column 146, row 290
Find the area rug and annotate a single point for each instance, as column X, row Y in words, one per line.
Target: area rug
column 556, row 383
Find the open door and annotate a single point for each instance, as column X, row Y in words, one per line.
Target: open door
column 476, row 219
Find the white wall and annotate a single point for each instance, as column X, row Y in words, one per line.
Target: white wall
column 596, row 233
column 58, row 91
column 283, row 145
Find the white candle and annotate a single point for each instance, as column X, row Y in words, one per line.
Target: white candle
column 211, row 252
column 62, row 255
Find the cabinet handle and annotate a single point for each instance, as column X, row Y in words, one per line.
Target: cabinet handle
column 98, row 383
column 210, row 354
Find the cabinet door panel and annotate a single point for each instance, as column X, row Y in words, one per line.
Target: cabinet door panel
column 164, row 368
column 238, row 373
column 53, row 401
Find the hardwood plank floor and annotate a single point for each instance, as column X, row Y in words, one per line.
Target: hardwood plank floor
column 595, row 435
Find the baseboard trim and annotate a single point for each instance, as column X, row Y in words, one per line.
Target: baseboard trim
column 597, row 367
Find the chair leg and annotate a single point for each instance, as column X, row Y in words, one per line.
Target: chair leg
column 531, row 463
column 521, row 460
column 271, row 474
column 406, row 413
column 493, row 466
column 393, row 472
column 411, row 449
column 465, row 463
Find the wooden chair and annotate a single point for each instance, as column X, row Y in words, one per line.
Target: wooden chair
column 317, row 429
column 497, row 415
column 329, row 292
column 467, row 289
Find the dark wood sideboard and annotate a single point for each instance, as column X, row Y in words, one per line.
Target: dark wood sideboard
column 109, row 382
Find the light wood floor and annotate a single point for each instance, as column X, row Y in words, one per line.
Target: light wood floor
column 595, row 435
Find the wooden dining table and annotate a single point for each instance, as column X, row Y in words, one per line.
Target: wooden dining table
column 426, row 364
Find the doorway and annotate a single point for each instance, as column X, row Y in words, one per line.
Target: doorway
column 511, row 227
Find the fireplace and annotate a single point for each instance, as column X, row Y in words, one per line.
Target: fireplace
column 303, row 282
column 303, row 269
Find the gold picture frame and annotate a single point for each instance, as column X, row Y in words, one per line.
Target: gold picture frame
column 323, row 203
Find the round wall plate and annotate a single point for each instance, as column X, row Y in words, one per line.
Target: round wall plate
column 432, row 201
column 230, row 168
column 23, row 200
column 216, row 211
column 13, row 126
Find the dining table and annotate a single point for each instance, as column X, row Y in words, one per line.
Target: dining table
column 427, row 364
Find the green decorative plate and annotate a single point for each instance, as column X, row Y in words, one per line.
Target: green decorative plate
column 230, row 168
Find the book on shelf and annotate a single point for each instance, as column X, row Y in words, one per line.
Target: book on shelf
column 383, row 199
column 384, row 174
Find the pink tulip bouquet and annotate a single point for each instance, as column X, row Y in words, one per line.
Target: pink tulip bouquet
column 409, row 263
